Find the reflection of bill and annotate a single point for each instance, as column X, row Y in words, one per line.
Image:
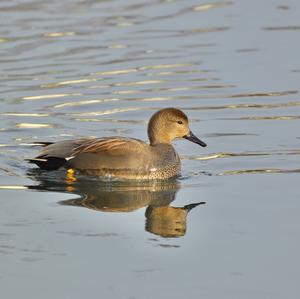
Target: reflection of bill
column 168, row 221
column 161, row 218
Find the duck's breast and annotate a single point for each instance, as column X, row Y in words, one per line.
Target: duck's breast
column 165, row 162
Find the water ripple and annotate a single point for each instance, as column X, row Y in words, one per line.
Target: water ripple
column 282, row 28
column 107, row 112
column 258, row 171
column 81, row 103
column 247, row 106
column 209, row 6
column 25, row 114
column 282, row 117
column 33, row 126
column 243, row 154
column 59, row 34
column 51, row 96
column 265, row 94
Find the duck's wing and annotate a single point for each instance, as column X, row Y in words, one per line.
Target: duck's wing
column 113, row 145
column 92, row 153
column 110, row 153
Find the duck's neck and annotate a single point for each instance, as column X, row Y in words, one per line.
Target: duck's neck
column 159, row 139
column 158, row 134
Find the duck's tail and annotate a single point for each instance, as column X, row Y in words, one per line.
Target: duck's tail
column 48, row 163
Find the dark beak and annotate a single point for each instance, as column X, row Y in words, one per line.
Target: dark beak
column 191, row 137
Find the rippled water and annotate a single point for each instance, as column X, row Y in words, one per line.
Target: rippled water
column 101, row 68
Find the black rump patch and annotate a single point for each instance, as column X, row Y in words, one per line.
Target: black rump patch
column 48, row 163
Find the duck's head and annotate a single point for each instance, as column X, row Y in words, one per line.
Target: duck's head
column 168, row 124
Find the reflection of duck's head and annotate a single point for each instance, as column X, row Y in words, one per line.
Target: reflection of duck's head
column 168, row 221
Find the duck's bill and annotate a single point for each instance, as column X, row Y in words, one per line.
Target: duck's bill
column 191, row 137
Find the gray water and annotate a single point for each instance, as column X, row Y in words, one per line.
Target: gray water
column 102, row 68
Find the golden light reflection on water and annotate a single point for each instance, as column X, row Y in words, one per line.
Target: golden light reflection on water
column 107, row 112
column 92, row 77
column 25, row 114
column 49, row 96
column 33, row 126
column 156, row 99
column 204, row 7
column 59, row 34
column 118, row 46
column 63, row 83
column 80, row 103
column 136, row 83
column 4, row 40
column 115, row 72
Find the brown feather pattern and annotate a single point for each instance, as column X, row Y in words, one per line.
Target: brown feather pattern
column 107, row 144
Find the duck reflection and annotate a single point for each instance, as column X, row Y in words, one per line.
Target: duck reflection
column 161, row 218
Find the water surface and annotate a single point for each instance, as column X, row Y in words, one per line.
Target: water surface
column 100, row 68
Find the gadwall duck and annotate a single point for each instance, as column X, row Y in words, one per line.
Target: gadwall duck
column 121, row 157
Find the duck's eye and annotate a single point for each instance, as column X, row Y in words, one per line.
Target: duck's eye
column 179, row 122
